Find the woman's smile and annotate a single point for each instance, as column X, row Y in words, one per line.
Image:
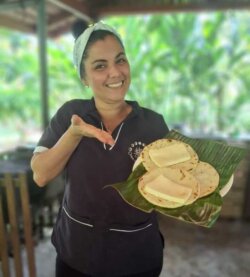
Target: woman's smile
column 115, row 85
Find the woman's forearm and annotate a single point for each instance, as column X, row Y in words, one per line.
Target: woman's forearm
column 50, row 163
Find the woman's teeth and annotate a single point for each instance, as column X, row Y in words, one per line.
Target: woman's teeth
column 115, row 85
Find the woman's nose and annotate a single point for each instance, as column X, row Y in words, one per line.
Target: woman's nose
column 114, row 71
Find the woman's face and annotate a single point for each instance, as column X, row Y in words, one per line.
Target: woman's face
column 107, row 70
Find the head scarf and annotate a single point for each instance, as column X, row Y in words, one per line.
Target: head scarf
column 82, row 41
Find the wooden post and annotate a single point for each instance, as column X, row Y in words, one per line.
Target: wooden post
column 3, row 244
column 42, row 39
column 29, row 243
column 10, row 193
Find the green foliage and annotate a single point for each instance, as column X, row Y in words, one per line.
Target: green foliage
column 192, row 68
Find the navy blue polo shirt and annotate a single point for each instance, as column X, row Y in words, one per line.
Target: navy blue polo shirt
column 96, row 231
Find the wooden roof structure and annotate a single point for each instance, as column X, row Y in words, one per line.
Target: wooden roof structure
column 52, row 18
column 21, row 15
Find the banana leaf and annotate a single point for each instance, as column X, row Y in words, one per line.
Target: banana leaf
column 204, row 211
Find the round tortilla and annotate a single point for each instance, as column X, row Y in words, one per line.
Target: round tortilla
column 162, row 143
column 207, row 176
column 227, row 187
column 179, row 176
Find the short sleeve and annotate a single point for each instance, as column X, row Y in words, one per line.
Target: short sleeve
column 163, row 126
column 56, row 128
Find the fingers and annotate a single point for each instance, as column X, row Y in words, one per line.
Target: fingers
column 104, row 137
column 101, row 135
column 76, row 120
column 88, row 130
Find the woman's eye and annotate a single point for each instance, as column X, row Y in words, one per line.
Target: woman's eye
column 121, row 61
column 99, row 66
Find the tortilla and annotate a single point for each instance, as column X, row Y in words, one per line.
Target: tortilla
column 165, row 188
column 178, row 176
column 170, row 153
column 227, row 187
column 207, row 176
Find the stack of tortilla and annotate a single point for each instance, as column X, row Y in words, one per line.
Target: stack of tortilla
column 175, row 176
column 181, row 177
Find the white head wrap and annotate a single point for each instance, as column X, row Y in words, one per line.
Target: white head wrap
column 82, row 41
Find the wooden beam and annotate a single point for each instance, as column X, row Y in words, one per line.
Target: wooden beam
column 74, row 7
column 123, row 9
column 23, row 16
column 15, row 24
column 63, row 29
column 11, row 6
column 55, row 21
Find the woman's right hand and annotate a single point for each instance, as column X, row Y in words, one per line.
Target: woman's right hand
column 48, row 164
column 79, row 127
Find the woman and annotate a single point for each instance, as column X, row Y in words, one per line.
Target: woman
column 95, row 142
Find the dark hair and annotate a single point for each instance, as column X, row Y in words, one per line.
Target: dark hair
column 78, row 28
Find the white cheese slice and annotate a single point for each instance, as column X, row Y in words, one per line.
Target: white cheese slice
column 169, row 155
column 166, row 189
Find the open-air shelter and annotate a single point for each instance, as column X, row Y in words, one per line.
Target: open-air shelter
column 52, row 18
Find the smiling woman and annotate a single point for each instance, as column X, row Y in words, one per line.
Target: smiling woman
column 96, row 142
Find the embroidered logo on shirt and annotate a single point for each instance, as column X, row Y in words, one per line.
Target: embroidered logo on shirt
column 135, row 149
